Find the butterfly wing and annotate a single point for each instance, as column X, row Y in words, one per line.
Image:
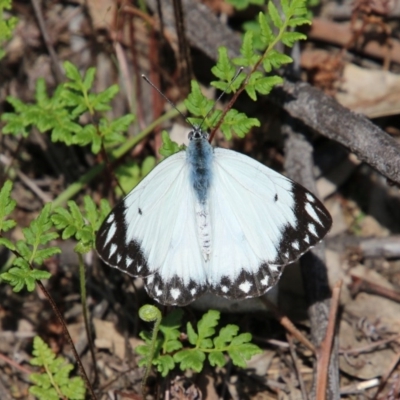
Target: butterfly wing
column 151, row 233
column 261, row 221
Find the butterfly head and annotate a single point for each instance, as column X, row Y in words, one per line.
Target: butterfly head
column 198, row 134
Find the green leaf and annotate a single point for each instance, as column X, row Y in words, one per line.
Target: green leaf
column 266, row 84
column 168, row 147
column 289, row 38
column 225, row 336
column 206, row 328
column 72, row 72
column 43, row 393
column 7, row 205
column 249, row 58
column 274, row 14
column 7, row 243
column 192, row 335
column 190, row 359
column 101, row 101
column 242, row 4
column 20, row 278
column 275, row 59
column 82, row 226
column 238, row 123
column 240, row 350
column 217, row 358
column 299, row 21
column 164, row 364
column 266, row 35
column 56, row 377
column 89, row 78
column 196, row 103
column 224, row 69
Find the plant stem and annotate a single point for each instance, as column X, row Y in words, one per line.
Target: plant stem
column 150, row 313
column 82, row 282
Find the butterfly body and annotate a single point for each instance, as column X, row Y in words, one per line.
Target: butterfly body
column 210, row 219
column 199, row 156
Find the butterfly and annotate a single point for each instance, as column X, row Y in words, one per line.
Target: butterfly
column 210, row 219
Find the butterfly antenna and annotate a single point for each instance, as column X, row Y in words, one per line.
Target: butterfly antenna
column 220, row 96
column 165, row 97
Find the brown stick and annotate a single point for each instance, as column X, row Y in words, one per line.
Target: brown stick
column 362, row 285
column 324, row 351
column 288, row 324
column 14, row 364
column 356, row 132
column 297, row 367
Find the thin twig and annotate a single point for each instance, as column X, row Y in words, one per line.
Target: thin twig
column 287, row 324
column 15, row 364
column 296, row 366
column 363, row 285
column 369, row 347
column 387, row 374
column 44, row 197
column 89, row 335
column 59, row 75
column 324, row 351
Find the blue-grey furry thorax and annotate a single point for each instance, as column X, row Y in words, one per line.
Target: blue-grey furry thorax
column 199, row 157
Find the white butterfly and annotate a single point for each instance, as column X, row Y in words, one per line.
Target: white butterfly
column 211, row 219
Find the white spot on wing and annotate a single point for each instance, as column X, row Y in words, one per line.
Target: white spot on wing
column 295, row 245
column 224, row 289
column 110, row 218
column 118, row 258
column 139, row 267
column 274, row 267
column 113, row 249
column 265, row 281
column 129, row 261
column 311, row 228
column 158, row 291
column 111, row 232
column 311, row 212
column 307, row 239
column 310, row 198
column 175, row 293
column 193, row 291
column 150, row 279
column 245, row 286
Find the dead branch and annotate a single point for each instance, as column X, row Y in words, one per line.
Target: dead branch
column 327, row 117
column 299, row 165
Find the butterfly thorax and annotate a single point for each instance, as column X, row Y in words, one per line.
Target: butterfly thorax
column 199, row 157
